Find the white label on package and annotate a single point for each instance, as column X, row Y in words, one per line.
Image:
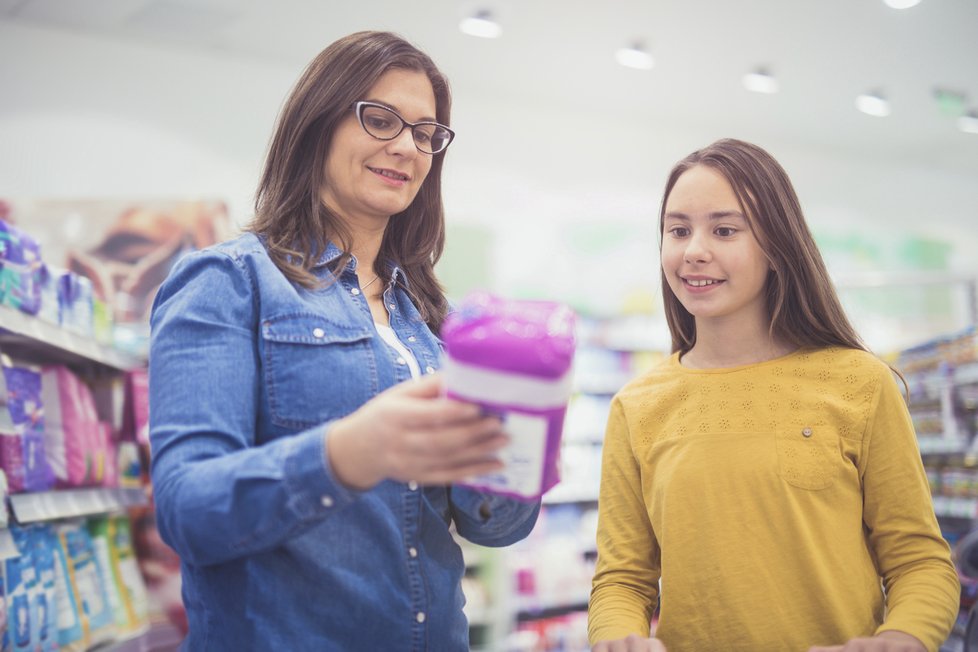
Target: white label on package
column 522, row 457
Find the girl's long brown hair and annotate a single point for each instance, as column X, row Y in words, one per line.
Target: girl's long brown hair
column 289, row 213
column 801, row 300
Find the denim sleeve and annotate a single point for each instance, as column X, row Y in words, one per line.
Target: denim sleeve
column 219, row 495
column 491, row 520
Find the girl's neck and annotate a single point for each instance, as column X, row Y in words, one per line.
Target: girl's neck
column 721, row 346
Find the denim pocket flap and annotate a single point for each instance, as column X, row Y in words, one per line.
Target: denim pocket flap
column 310, row 329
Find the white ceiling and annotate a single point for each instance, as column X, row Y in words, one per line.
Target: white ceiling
column 560, row 52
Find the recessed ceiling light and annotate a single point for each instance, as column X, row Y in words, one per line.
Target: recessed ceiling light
column 635, row 56
column 901, row 4
column 873, row 104
column 760, row 81
column 968, row 123
column 481, row 25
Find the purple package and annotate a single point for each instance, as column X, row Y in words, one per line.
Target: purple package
column 22, row 454
column 514, row 358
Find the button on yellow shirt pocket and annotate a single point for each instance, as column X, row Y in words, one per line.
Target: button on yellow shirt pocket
column 807, row 457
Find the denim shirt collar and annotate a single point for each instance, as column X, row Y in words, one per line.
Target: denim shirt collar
column 333, row 252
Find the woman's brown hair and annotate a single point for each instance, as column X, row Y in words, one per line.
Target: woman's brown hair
column 801, row 301
column 289, row 214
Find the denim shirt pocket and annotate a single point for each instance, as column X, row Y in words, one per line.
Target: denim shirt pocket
column 315, row 369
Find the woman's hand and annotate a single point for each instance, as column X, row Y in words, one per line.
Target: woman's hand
column 411, row 433
column 633, row 643
column 888, row 641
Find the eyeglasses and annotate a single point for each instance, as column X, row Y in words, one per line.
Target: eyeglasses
column 384, row 124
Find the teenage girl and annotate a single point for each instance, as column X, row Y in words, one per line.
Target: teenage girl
column 762, row 486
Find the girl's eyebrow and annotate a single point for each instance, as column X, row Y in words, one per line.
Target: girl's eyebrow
column 717, row 215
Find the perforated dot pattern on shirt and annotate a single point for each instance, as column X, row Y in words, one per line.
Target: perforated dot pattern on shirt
column 830, row 389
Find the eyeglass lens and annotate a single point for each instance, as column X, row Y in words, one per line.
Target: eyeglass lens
column 386, row 125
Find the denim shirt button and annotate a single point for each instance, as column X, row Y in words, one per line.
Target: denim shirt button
column 413, row 486
column 429, row 369
column 392, row 306
column 412, row 338
column 401, row 361
column 413, row 552
column 318, row 333
column 355, row 291
column 421, row 616
column 327, row 501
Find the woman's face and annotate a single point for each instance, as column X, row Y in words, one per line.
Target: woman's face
column 367, row 180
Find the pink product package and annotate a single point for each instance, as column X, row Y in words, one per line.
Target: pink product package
column 514, row 359
column 135, row 420
column 72, row 431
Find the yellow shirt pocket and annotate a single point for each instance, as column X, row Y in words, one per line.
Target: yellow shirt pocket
column 807, row 457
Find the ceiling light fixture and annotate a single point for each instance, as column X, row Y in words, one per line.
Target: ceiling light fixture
column 873, row 104
column 760, row 81
column 968, row 123
column 481, row 25
column 635, row 56
column 901, row 4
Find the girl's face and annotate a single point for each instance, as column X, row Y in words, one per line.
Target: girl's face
column 368, row 180
column 710, row 258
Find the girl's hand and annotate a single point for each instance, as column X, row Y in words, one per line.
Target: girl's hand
column 888, row 641
column 411, row 433
column 633, row 643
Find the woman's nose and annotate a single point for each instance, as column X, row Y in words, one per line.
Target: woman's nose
column 403, row 143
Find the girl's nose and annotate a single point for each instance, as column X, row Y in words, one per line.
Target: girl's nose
column 696, row 250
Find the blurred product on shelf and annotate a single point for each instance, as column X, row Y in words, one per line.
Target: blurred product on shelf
column 60, row 591
column 22, row 454
column 75, row 441
column 21, row 269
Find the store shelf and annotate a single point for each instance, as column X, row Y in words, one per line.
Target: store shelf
column 159, row 637
column 551, row 611
column 574, row 495
column 940, row 445
column 50, row 505
column 955, row 507
column 966, row 374
column 43, row 342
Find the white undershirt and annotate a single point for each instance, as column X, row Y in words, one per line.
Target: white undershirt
column 388, row 335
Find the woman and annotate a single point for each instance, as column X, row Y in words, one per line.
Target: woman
column 300, row 473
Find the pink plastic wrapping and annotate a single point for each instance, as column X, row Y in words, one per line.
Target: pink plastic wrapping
column 71, row 433
column 514, row 358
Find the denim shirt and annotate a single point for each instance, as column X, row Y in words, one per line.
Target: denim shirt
column 247, row 371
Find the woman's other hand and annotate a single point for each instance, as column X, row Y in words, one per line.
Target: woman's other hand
column 633, row 643
column 412, row 433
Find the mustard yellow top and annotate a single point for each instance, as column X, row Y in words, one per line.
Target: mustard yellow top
column 770, row 501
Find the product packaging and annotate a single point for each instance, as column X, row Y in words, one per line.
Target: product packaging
column 22, row 455
column 20, row 269
column 514, row 359
column 71, row 436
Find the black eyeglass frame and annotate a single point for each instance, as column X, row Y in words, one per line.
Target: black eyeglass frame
column 360, row 105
